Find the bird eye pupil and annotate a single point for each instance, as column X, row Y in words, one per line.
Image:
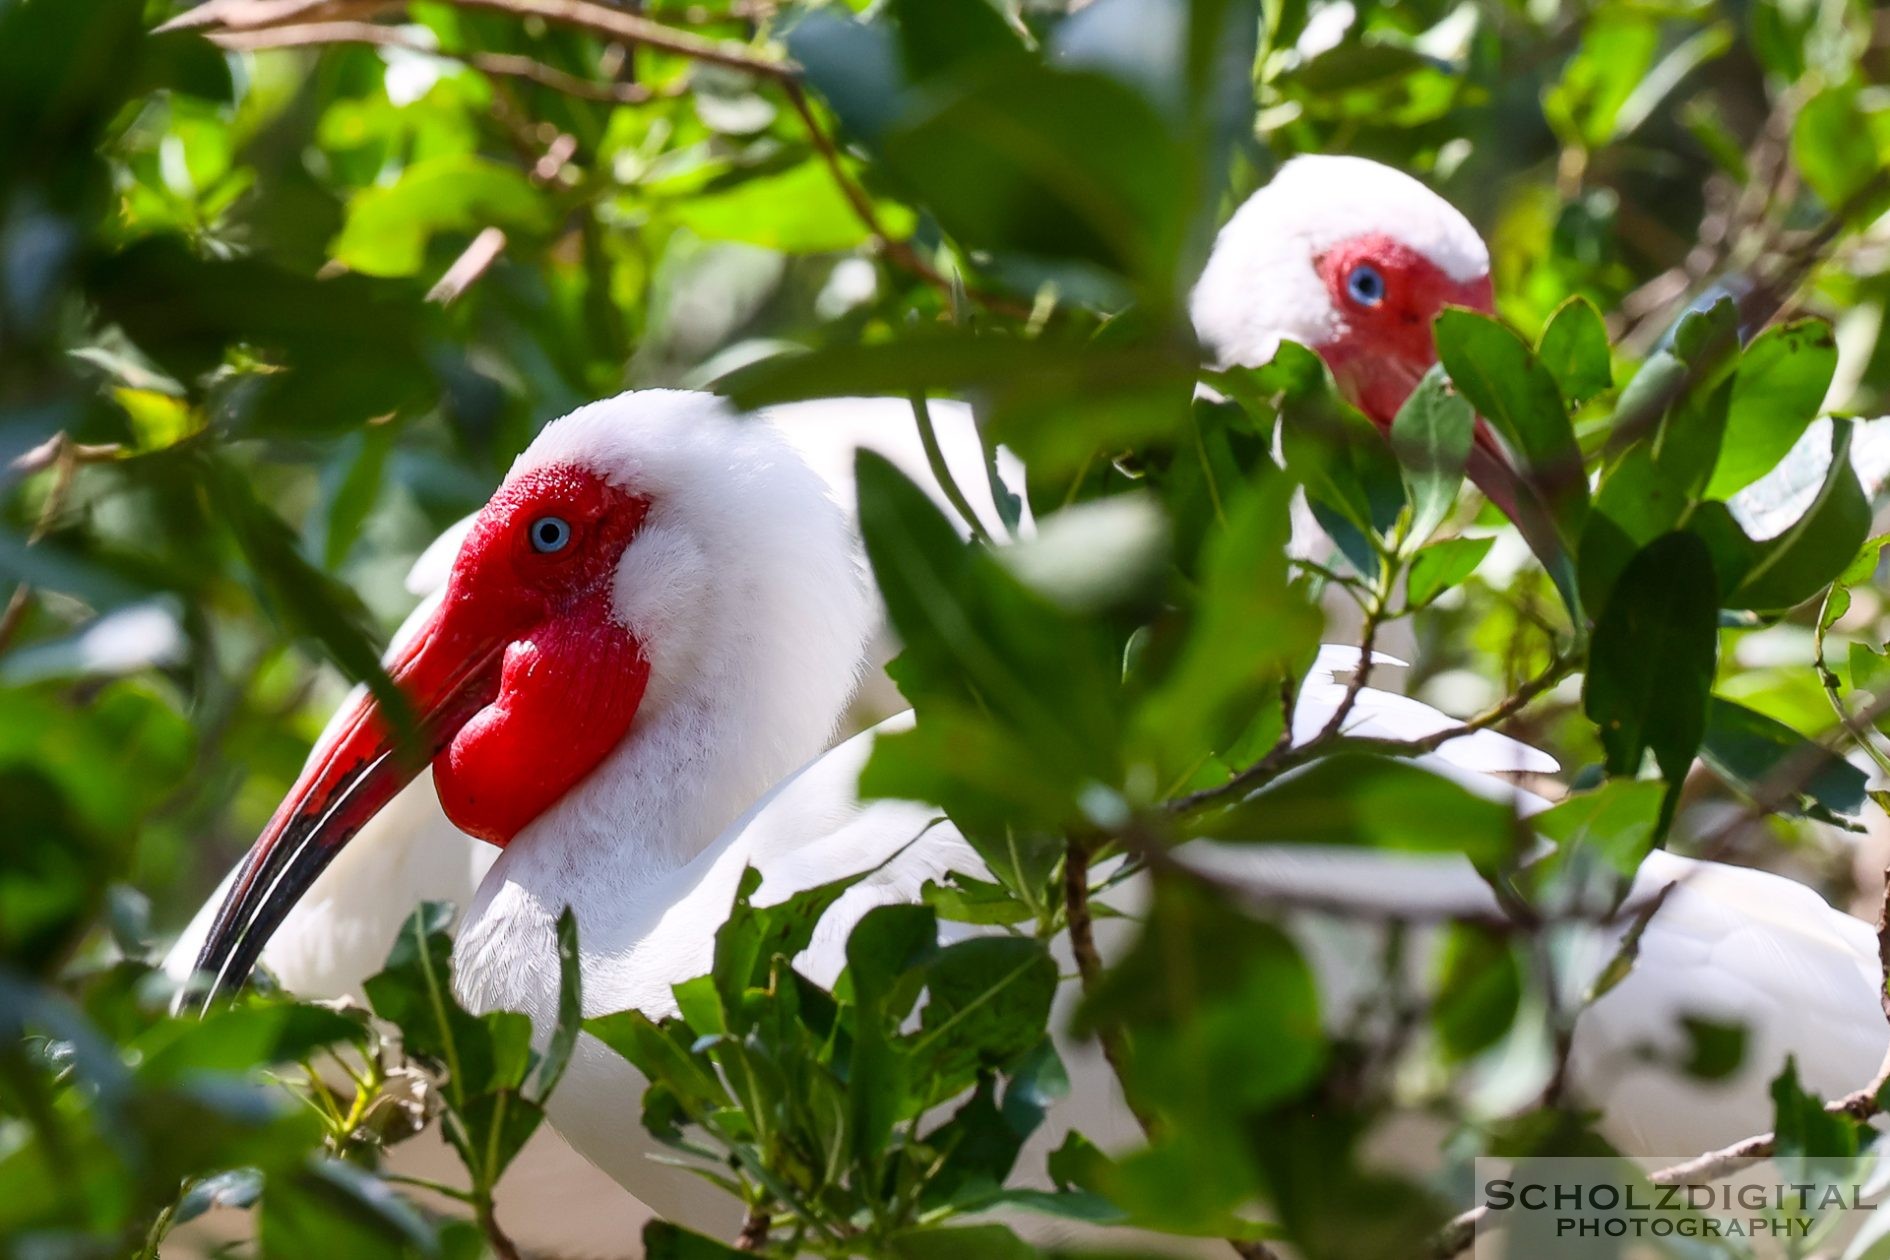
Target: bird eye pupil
column 550, row 534
column 1366, row 285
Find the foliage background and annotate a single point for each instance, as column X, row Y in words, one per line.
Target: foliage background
column 260, row 294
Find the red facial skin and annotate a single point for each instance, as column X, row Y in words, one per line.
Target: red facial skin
column 520, row 684
column 571, row 677
column 1383, row 349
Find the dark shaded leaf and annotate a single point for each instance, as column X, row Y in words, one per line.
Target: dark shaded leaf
column 1652, row 658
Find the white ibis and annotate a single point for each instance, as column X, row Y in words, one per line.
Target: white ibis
column 660, row 606
column 409, row 852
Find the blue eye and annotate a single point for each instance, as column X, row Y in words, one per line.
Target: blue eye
column 1364, row 285
column 549, row 533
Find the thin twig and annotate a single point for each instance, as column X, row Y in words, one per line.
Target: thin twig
column 1089, row 964
column 47, row 453
column 504, row 65
column 899, row 252
column 632, row 29
column 1287, row 756
column 468, row 267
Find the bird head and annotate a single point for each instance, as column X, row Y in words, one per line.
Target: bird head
column 647, row 559
column 1353, row 260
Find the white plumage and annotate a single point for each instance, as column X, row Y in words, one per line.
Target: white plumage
column 1260, row 287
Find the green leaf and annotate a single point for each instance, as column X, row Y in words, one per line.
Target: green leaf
column 1353, row 799
column 1835, row 148
column 952, row 36
column 960, row 1242
column 1781, row 383
column 1651, row 661
column 1479, row 990
column 664, row 1057
column 1341, row 457
column 414, row 992
column 1574, row 348
column 798, row 211
column 1053, row 165
column 1861, row 569
column 975, row 635
column 1747, row 749
column 388, row 226
column 1714, row 1050
column 1513, row 390
column 1443, row 565
column 1251, row 623
column 309, row 601
column 988, row 1000
column 753, row 937
column 1617, row 49
column 1619, row 821
column 1431, row 436
column 241, row 1038
column 887, row 943
column 564, row 1033
column 1870, row 669
column 1793, row 567
column 1802, row 1128
column 331, row 1208
column 1220, row 1010
column 965, row 899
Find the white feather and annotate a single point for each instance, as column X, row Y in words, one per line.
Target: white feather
column 1260, row 286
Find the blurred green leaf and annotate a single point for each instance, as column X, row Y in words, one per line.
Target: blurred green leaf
column 1220, row 1011
column 1479, row 990
column 388, row 226
column 1374, row 802
column 1574, row 348
column 1834, row 144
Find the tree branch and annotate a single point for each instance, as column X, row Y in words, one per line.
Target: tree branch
column 1287, row 756
column 503, row 65
column 899, row 252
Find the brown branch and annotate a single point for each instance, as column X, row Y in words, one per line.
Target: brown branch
column 224, row 16
column 632, row 29
column 1089, row 964
column 1883, row 947
column 1286, row 755
column 504, row 65
column 754, row 1233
